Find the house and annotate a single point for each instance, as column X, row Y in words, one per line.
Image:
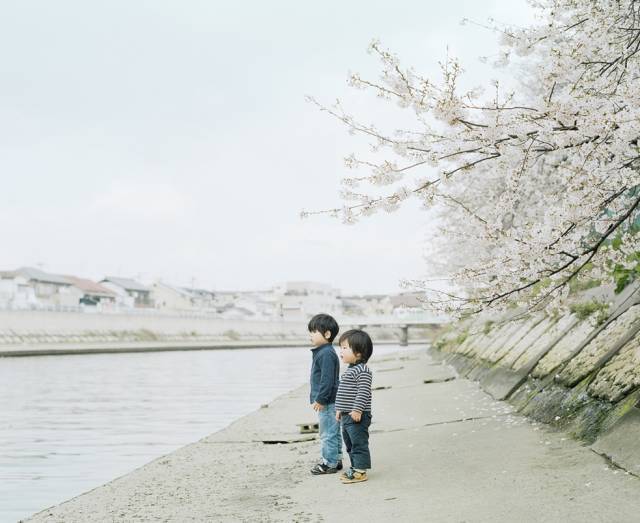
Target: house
column 93, row 294
column 171, row 297
column 202, row 299
column 168, row 297
column 367, row 305
column 130, row 293
column 51, row 289
column 261, row 304
column 15, row 291
column 410, row 306
column 299, row 300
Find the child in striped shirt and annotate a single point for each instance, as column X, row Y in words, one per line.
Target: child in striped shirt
column 353, row 403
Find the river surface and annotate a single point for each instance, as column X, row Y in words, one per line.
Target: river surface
column 71, row 423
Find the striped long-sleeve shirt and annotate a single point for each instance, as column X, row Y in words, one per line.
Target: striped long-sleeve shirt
column 354, row 390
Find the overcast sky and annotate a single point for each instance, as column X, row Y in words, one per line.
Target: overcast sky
column 171, row 139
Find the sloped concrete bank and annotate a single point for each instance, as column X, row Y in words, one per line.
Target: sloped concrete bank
column 575, row 372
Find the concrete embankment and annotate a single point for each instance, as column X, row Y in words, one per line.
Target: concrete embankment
column 40, row 333
column 443, row 450
column 54, row 349
column 578, row 372
column 34, row 333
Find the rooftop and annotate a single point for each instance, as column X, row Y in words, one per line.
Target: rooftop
column 89, row 286
column 32, row 273
column 126, row 283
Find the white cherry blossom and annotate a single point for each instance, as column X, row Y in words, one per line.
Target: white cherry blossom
column 533, row 190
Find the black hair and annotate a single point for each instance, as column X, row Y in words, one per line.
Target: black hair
column 359, row 342
column 323, row 323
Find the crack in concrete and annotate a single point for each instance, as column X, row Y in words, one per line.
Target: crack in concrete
column 439, row 380
column 380, row 431
column 609, row 460
column 424, row 382
column 375, row 431
column 262, row 441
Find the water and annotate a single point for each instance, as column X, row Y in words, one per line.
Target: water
column 71, row 423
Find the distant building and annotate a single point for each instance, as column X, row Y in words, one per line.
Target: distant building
column 168, row 297
column 299, row 300
column 93, row 294
column 51, row 289
column 367, row 305
column 261, row 303
column 201, row 298
column 130, row 293
column 258, row 305
column 15, row 291
column 409, row 305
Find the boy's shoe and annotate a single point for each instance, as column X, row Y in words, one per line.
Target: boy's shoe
column 344, row 475
column 321, row 468
column 353, row 476
column 339, row 465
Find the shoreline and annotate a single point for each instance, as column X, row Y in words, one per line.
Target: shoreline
column 17, row 351
column 85, row 435
column 299, row 391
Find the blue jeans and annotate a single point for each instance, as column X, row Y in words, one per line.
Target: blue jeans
column 356, row 439
column 330, row 439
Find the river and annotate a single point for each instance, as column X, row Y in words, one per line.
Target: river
column 71, row 423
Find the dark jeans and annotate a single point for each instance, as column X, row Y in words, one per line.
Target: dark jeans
column 356, row 439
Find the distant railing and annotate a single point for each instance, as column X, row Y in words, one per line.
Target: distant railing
column 381, row 320
column 403, row 319
column 90, row 309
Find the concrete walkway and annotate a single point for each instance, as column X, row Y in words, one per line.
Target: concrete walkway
column 442, row 451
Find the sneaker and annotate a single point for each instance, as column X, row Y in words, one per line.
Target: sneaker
column 353, row 476
column 339, row 465
column 321, row 468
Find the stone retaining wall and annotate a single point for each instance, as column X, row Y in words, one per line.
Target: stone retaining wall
column 572, row 372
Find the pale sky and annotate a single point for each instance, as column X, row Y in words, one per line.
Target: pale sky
column 166, row 139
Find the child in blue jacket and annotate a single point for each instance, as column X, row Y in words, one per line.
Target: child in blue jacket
column 325, row 371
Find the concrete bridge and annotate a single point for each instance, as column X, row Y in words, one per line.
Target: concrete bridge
column 403, row 324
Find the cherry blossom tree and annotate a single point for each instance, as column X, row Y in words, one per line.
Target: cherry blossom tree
column 536, row 188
